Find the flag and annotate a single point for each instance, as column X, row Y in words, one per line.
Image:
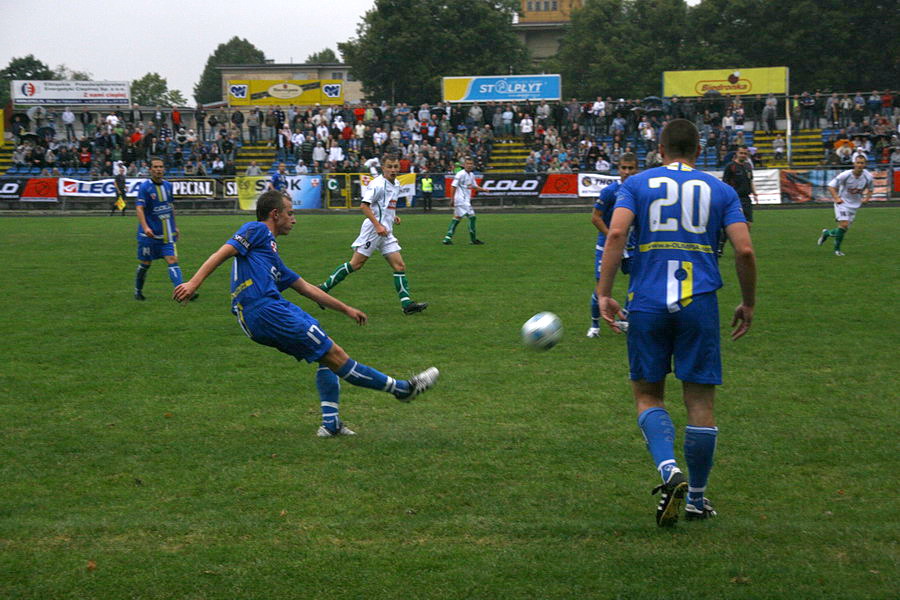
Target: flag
column 407, row 183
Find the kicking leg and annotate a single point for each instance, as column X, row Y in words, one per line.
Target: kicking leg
column 365, row 376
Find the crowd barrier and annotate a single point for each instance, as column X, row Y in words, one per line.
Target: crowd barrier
column 344, row 190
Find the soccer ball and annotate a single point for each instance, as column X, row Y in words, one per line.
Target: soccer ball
column 542, row 331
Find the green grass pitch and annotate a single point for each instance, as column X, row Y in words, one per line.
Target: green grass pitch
column 152, row 451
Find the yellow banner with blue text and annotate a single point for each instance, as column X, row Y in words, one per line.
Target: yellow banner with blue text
column 735, row 82
column 271, row 92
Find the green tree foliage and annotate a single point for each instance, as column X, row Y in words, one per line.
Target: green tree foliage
column 26, row 67
column 621, row 47
column 153, row 89
column 404, row 47
column 326, row 55
column 236, row 51
column 63, row 72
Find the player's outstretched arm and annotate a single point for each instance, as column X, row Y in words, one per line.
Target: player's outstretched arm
column 745, row 263
column 186, row 290
column 328, row 301
column 612, row 258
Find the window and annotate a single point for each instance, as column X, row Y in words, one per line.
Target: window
column 350, row 76
column 546, row 4
column 553, row 5
column 337, row 75
column 530, row 6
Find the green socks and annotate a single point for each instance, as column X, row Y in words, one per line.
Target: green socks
column 452, row 229
column 402, row 286
column 338, row 276
column 472, row 228
column 838, row 235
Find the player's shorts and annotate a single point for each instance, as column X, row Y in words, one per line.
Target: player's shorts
column 747, row 208
column 285, row 326
column 368, row 243
column 462, row 209
column 842, row 212
column 152, row 248
column 598, row 261
column 690, row 335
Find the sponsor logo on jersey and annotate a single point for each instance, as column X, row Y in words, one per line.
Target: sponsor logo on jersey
column 242, row 241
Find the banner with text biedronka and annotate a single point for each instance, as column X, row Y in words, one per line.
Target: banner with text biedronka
column 728, row 82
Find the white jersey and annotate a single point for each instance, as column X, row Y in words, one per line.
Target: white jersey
column 850, row 188
column 463, row 182
column 381, row 195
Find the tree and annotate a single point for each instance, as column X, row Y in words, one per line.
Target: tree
column 620, row 47
column 63, row 72
column 236, row 51
column 326, row 55
column 153, row 89
column 26, row 67
column 404, row 47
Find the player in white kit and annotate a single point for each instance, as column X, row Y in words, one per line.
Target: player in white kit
column 379, row 204
column 847, row 191
column 461, row 202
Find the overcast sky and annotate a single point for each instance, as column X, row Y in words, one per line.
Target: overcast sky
column 122, row 41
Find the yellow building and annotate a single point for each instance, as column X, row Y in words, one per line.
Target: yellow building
column 542, row 23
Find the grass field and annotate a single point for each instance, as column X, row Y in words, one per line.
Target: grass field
column 152, row 451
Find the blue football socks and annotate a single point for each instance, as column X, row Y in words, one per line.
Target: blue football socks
column 659, row 433
column 139, row 276
column 367, row 377
column 699, row 449
column 595, row 311
column 175, row 274
column 329, row 387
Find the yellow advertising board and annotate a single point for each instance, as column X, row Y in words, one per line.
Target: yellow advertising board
column 766, row 80
column 2, row 127
column 300, row 92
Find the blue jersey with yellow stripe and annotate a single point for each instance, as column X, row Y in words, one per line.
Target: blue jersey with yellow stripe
column 679, row 213
column 159, row 212
column 605, row 204
column 258, row 274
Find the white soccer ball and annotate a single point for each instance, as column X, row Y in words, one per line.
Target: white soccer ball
column 542, row 331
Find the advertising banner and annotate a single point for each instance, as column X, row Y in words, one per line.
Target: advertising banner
column 40, row 189
column 766, row 80
column 231, row 188
column 10, row 189
column 81, row 93
column 522, row 185
column 591, row 184
column 502, row 88
column 100, row 188
column 300, row 92
column 305, row 191
column 766, row 182
column 811, row 185
column 193, row 188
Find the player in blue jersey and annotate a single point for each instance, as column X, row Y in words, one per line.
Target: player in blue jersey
column 258, row 278
column 279, row 180
column 600, row 217
column 156, row 232
column 677, row 213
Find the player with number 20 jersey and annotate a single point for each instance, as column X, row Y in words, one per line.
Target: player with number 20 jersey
column 679, row 215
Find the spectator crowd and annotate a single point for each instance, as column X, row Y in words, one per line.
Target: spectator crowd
column 560, row 137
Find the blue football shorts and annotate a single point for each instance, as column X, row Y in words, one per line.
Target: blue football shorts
column 285, row 326
column 690, row 336
column 152, row 248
